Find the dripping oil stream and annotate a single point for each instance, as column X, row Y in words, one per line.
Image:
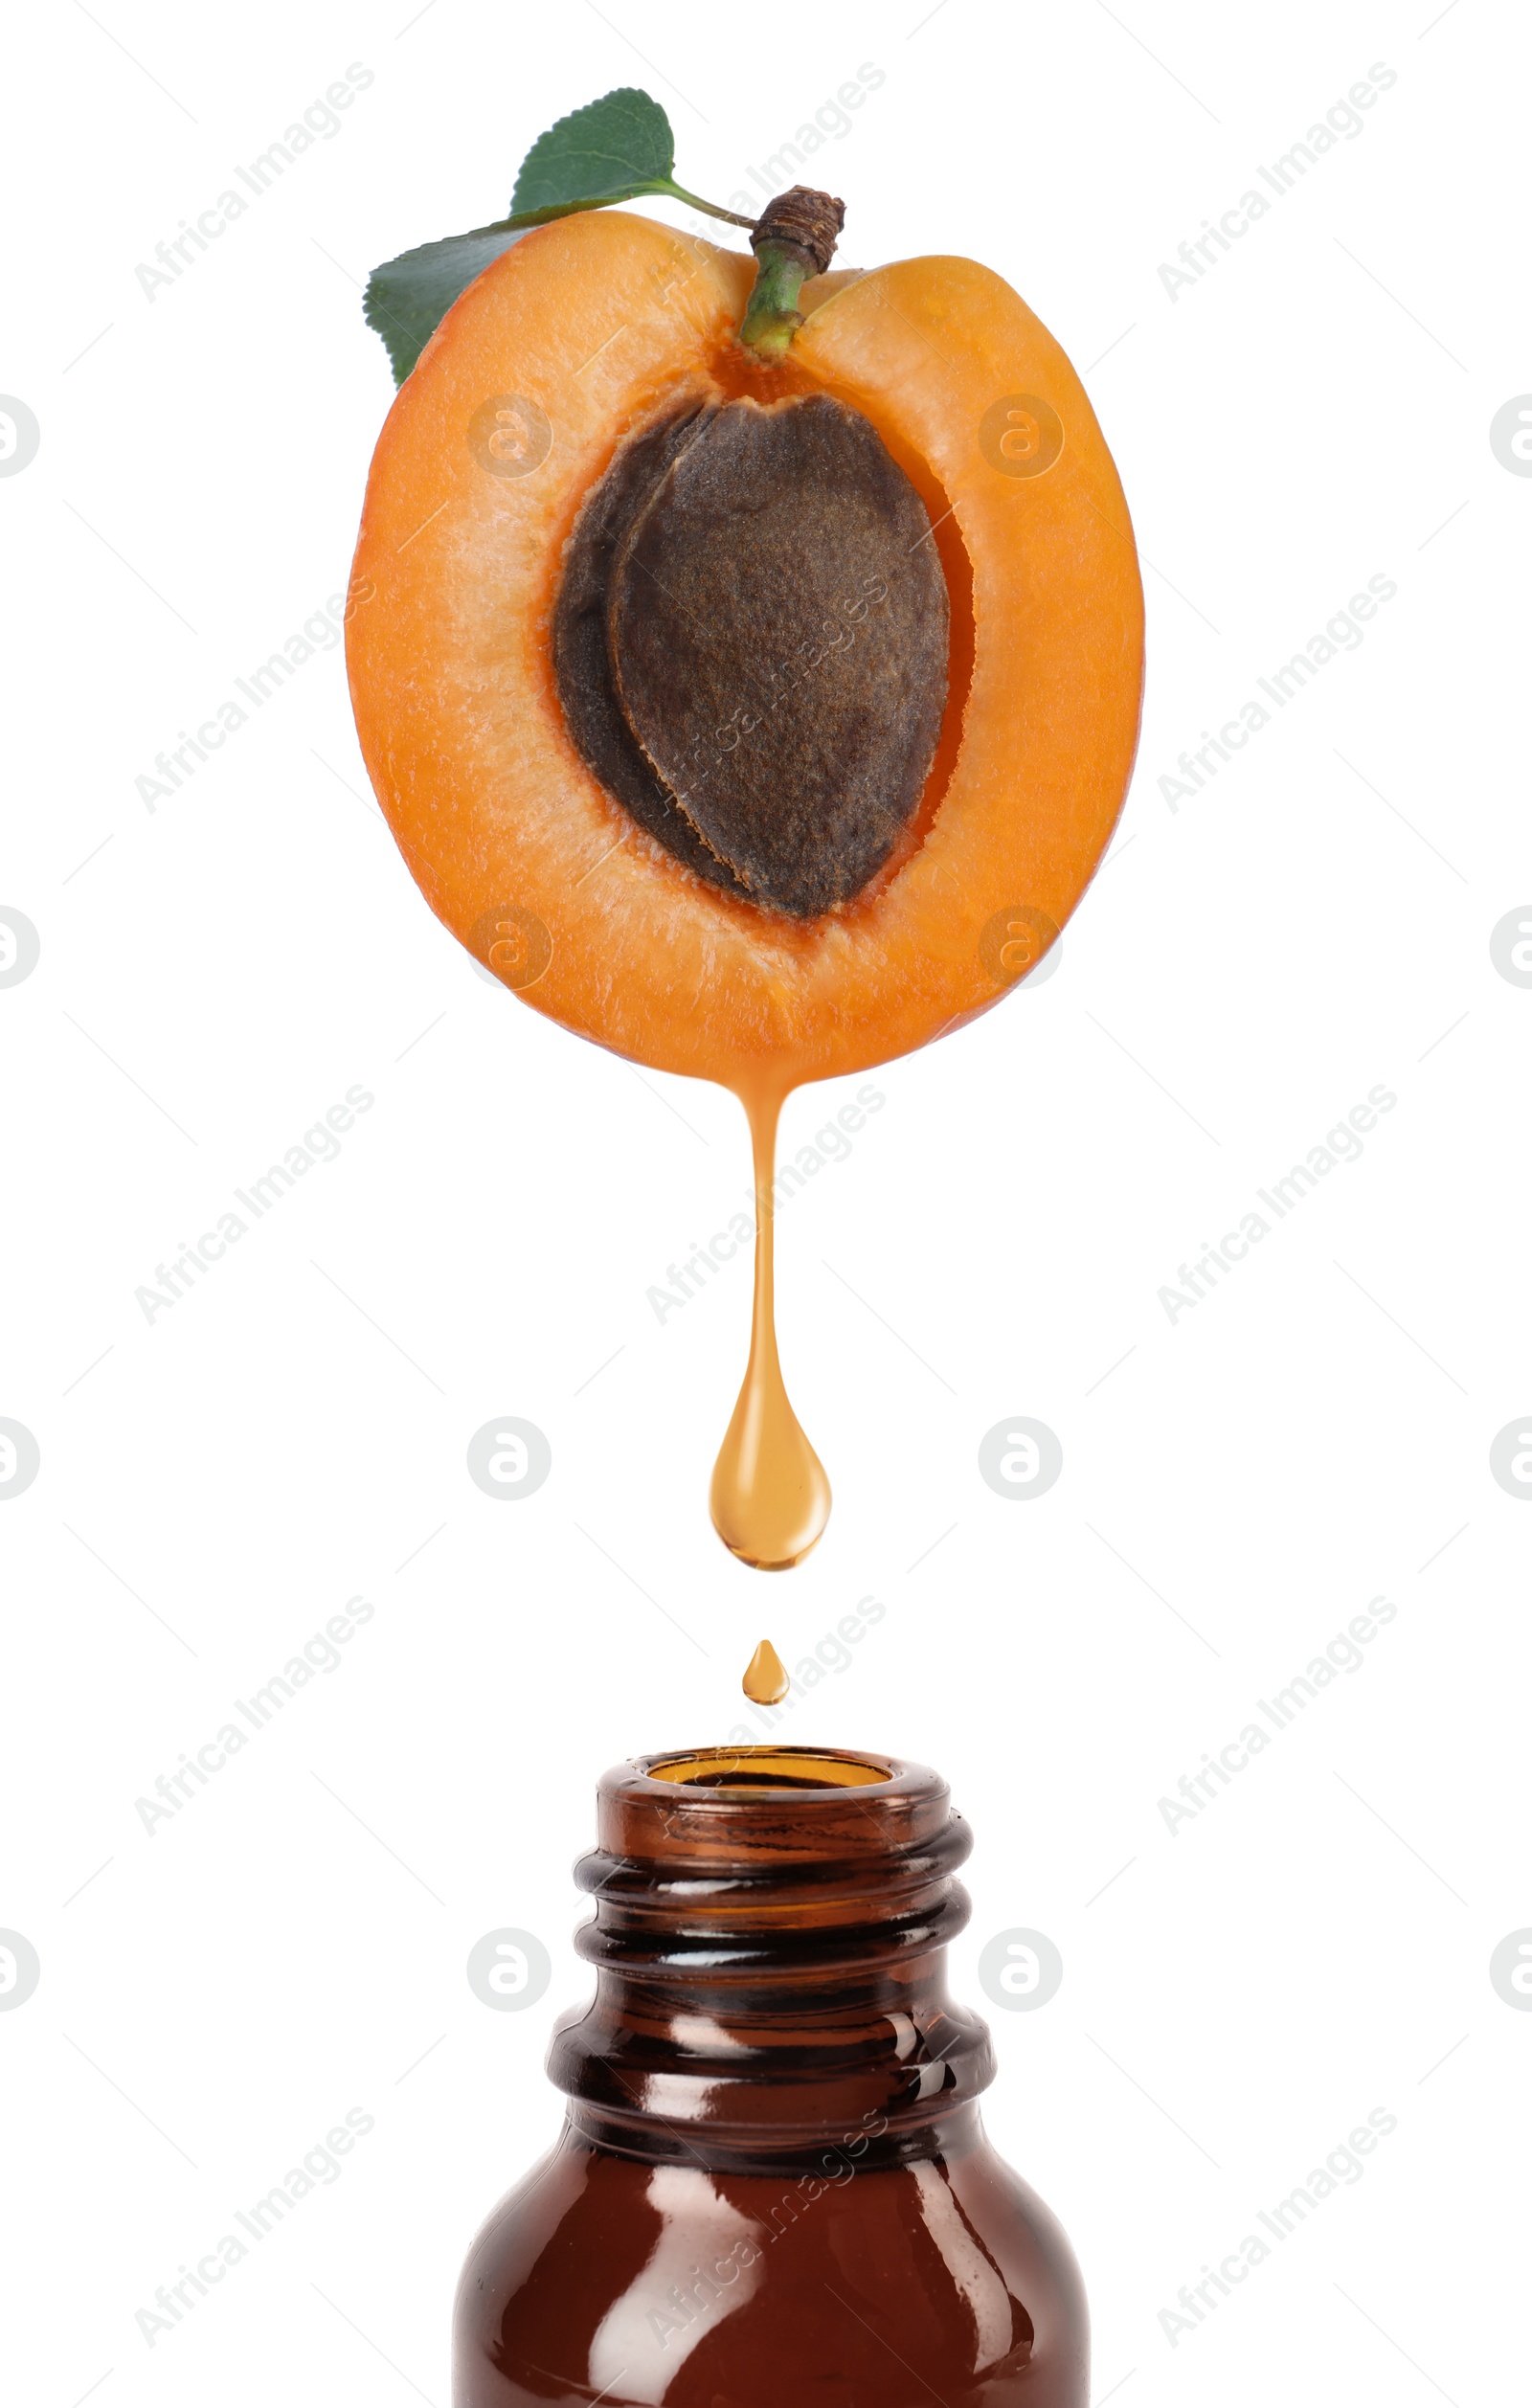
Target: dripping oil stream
column 770, row 1496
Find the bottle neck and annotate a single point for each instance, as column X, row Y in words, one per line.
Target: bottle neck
column 770, row 1961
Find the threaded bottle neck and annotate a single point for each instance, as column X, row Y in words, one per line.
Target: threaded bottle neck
column 769, row 1937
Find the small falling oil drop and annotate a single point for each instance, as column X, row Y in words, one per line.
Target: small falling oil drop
column 770, row 1495
column 766, row 1681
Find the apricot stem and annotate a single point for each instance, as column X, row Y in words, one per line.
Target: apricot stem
column 795, row 237
column 773, row 316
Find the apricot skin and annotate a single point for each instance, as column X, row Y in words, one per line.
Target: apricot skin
column 598, row 321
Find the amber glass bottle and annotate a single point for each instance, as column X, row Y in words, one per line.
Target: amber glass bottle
column 771, row 2190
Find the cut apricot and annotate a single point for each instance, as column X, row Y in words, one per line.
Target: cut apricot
column 592, row 335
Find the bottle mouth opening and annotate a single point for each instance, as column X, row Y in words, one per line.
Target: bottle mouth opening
column 748, row 1771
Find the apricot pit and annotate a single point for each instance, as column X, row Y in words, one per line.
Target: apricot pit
column 773, row 630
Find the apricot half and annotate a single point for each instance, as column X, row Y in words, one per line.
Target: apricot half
column 575, row 344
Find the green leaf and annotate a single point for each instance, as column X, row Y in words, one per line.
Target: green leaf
column 407, row 298
column 614, row 148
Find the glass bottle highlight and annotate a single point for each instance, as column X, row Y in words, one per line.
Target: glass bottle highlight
column 771, row 2187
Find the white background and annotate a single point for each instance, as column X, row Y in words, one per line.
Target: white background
column 1237, row 1483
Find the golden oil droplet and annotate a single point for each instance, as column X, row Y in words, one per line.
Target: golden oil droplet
column 766, row 1681
column 770, row 1495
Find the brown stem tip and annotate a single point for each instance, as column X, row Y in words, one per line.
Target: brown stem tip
column 812, row 220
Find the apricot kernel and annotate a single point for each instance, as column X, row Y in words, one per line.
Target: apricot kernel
column 762, row 680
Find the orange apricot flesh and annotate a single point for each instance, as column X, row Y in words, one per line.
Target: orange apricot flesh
column 584, row 331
